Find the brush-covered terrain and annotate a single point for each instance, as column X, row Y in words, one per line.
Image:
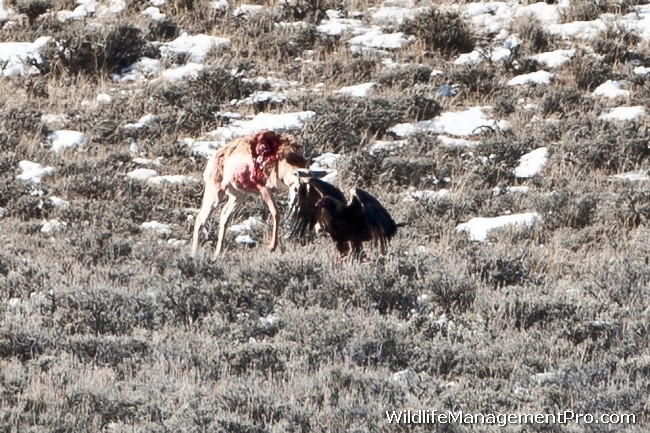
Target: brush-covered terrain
column 109, row 109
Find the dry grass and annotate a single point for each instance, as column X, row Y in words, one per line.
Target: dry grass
column 107, row 327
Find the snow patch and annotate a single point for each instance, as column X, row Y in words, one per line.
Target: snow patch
column 157, row 227
column 262, row 121
column 478, row 228
column 460, row 123
column 188, row 71
column 632, row 176
column 33, row 171
column 196, row 47
column 50, row 226
column 141, row 122
column 154, row 13
column 611, row 89
column 17, row 58
column 141, row 173
column 58, row 202
column 244, row 240
column 554, row 59
column 66, row 139
column 246, row 226
column 426, row 194
column 538, row 77
column 624, row 113
column 207, row 148
column 359, row 90
column 380, row 146
column 532, row 163
column 170, row 179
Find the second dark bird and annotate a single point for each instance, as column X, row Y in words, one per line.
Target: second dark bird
column 321, row 207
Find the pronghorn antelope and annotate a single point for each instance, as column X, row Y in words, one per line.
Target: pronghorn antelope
column 258, row 163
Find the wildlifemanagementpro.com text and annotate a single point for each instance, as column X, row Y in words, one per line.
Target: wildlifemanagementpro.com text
column 503, row 419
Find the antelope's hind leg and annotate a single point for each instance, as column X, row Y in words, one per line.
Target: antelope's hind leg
column 210, row 202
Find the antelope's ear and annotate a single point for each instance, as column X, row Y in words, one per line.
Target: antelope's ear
column 296, row 160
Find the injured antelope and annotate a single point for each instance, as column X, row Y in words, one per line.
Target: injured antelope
column 258, row 163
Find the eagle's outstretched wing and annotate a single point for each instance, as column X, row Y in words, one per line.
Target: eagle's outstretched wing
column 381, row 224
column 304, row 213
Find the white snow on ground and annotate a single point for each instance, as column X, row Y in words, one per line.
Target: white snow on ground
column 641, row 70
column 145, row 161
column 58, row 202
column 156, row 227
column 141, row 173
column 335, row 25
column 578, row 29
column 104, row 98
column 456, row 142
column 393, row 12
column 50, row 226
column 554, row 59
column 275, row 83
column 183, row 72
column 139, row 71
column 196, row 47
column 261, row 96
column 532, row 163
column 479, row 55
column 624, row 113
column 53, row 119
column 376, row 38
column 386, row 146
column 478, row 228
column 154, row 13
column 522, row 189
column 92, row 7
column 4, row 14
column 66, row 139
column 246, row 226
column 170, row 179
column 358, row 90
column 413, row 194
column 16, row 58
column 327, row 161
column 632, row 176
column 546, row 378
column 611, row 89
column 141, row 122
column 244, row 240
column 247, row 10
column 262, row 121
column 460, row 123
column 207, row 148
column 33, row 171
column 220, row 5
column 538, row 77
column 364, row 37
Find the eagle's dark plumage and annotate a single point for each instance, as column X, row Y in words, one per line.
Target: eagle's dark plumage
column 363, row 219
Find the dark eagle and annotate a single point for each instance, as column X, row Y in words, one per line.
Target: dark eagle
column 321, row 207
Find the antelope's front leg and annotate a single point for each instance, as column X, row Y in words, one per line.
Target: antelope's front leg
column 268, row 199
column 227, row 210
